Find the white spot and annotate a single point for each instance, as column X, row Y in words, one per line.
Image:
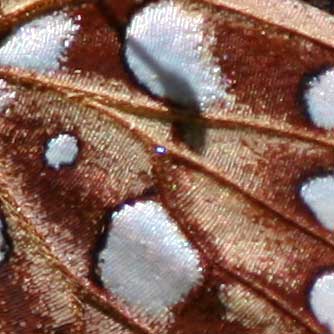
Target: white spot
column 7, row 96
column 222, row 294
column 147, row 261
column 319, row 98
column 322, row 300
column 169, row 52
column 3, row 243
column 318, row 194
column 161, row 150
column 39, row 44
column 61, row 151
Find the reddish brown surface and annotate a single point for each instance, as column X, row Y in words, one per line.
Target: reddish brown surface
column 236, row 200
column 97, row 47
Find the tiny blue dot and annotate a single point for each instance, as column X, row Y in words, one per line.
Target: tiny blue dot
column 161, row 150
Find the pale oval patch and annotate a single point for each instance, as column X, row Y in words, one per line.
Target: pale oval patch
column 7, row 96
column 322, row 300
column 223, row 294
column 147, row 261
column 160, row 150
column 39, row 44
column 61, row 151
column 169, row 52
column 4, row 247
column 318, row 195
column 319, row 99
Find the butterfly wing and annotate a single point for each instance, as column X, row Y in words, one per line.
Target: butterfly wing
column 234, row 195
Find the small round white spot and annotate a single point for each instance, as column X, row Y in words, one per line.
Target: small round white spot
column 61, row 151
column 319, row 99
column 161, row 150
column 318, row 194
column 39, row 44
column 322, row 300
column 168, row 52
column 147, row 261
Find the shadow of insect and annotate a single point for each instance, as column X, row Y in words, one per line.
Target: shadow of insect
column 188, row 127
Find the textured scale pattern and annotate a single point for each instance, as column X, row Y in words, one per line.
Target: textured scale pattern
column 4, row 246
column 143, row 239
column 39, row 44
column 321, row 300
column 318, row 99
column 61, row 150
column 317, row 195
column 166, row 51
column 129, row 210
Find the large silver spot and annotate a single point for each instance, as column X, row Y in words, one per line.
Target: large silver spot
column 319, row 99
column 147, row 261
column 318, row 195
column 322, row 300
column 168, row 50
column 39, row 44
